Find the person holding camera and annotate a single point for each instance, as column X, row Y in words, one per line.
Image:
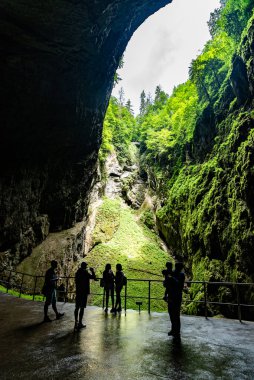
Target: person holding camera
column 82, row 280
column 174, row 286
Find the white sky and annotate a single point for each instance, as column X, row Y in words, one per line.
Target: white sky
column 160, row 51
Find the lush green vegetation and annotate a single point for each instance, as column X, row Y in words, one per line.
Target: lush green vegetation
column 16, row 293
column 120, row 236
column 197, row 148
column 207, row 215
column 118, row 130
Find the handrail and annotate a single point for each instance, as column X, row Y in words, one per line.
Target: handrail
column 10, row 280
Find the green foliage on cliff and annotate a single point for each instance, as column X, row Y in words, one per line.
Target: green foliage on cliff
column 131, row 243
column 107, row 222
column 197, row 147
column 118, row 130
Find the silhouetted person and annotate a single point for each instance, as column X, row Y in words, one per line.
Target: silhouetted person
column 82, row 279
column 50, row 291
column 175, row 289
column 120, row 281
column 167, row 272
column 108, row 280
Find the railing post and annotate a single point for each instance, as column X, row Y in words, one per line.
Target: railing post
column 67, row 288
column 149, row 296
column 125, row 297
column 20, row 290
column 35, row 283
column 8, row 282
column 205, row 295
column 238, row 303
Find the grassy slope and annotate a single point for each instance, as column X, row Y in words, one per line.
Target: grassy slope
column 120, row 237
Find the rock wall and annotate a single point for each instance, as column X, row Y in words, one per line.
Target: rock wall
column 208, row 217
column 58, row 62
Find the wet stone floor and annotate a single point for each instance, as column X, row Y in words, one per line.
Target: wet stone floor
column 131, row 346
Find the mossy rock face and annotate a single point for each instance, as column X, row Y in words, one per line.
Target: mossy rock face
column 107, row 221
column 209, row 206
column 239, row 80
column 208, row 216
column 133, row 245
column 204, row 134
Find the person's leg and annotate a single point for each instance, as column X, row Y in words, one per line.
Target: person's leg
column 81, row 312
column 76, row 314
column 120, row 307
column 46, row 306
column 53, row 301
column 107, row 298
column 112, row 298
column 177, row 319
column 117, row 298
column 170, row 317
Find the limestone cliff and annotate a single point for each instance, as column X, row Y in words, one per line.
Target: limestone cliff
column 207, row 218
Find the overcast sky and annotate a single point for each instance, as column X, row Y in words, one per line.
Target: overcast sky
column 161, row 50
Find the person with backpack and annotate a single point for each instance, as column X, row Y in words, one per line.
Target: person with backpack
column 82, row 280
column 108, row 284
column 120, row 281
column 167, row 272
column 49, row 291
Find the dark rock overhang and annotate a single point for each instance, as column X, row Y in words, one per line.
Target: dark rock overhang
column 58, row 59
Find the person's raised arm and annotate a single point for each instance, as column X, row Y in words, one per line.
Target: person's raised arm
column 92, row 274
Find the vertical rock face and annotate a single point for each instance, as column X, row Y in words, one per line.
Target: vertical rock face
column 57, row 67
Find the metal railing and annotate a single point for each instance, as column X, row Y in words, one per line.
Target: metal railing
column 29, row 286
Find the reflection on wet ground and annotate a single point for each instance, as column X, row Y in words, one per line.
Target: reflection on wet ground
column 131, row 346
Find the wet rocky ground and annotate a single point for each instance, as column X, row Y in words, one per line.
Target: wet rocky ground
column 125, row 346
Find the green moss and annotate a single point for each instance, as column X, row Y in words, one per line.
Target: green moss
column 107, row 221
column 133, row 245
column 22, row 295
column 148, row 219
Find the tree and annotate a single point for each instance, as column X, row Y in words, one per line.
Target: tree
column 121, row 96
column 160, row 98
column 117, row 78
column 213, row 21
column 209, row 69
column 118, row 129
column 157, row 93
column 129, row 106
column 232, row 18
column 142, row 107
column 149, row 101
